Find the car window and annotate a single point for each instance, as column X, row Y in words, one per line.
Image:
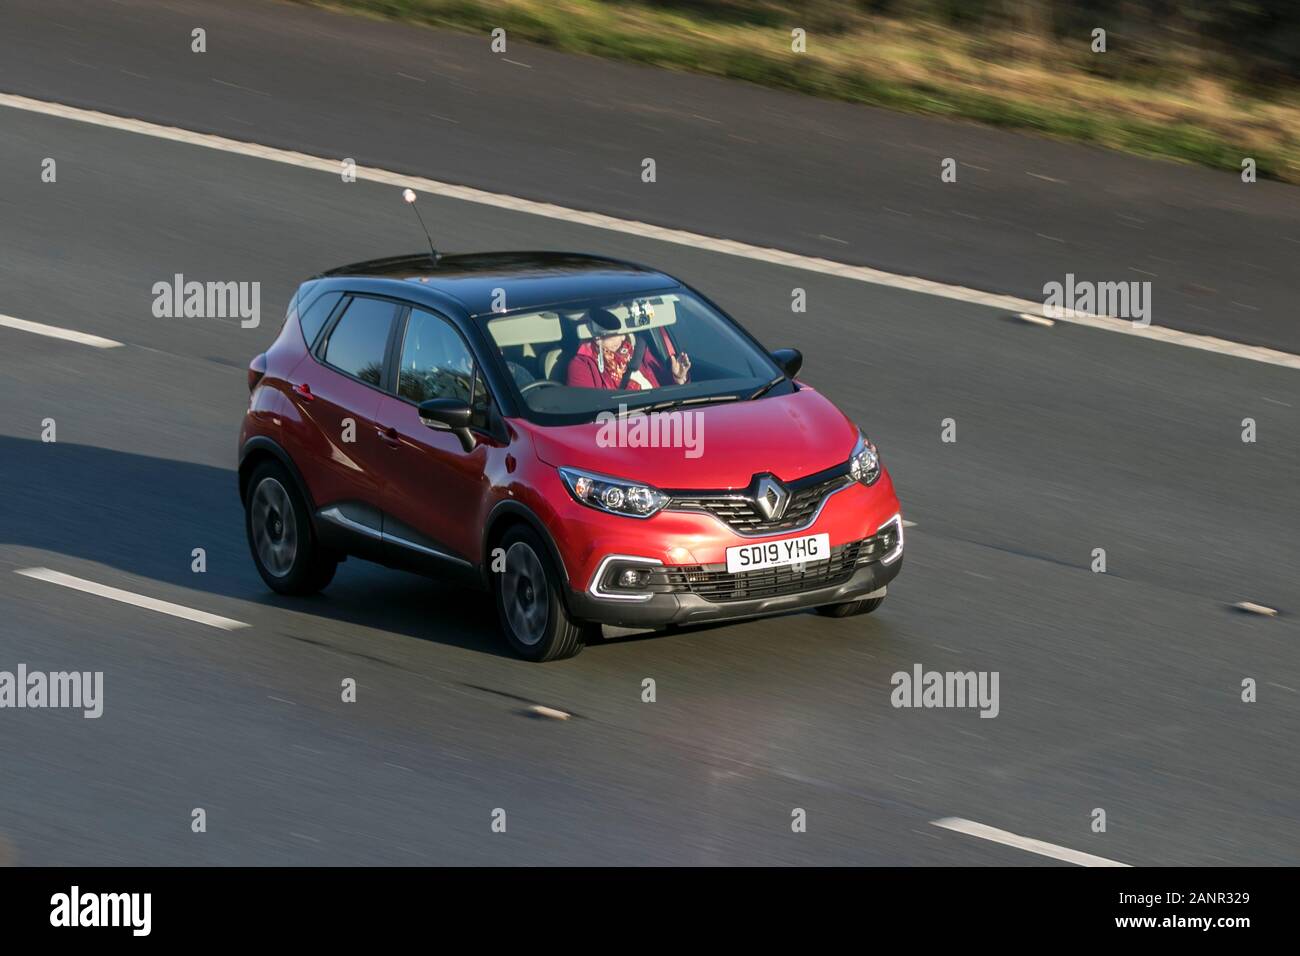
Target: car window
column 360, row 338
column 435, row 362
column 313, row 320
column 573, row 361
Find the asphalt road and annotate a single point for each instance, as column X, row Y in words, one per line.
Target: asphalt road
column 828, row 179
column 1118, row 690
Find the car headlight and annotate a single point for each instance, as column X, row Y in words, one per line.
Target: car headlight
column 864, row 464
column 614, row 495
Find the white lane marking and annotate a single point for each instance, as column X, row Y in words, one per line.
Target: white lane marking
column 539, row 710
column 993, row 834
column 908, row 524
column 130, row 597
column 1250, row 607
column 1004, row 303
column 55, row 332
column 1036, row 319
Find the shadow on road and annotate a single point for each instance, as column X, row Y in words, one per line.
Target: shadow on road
column 145, row 516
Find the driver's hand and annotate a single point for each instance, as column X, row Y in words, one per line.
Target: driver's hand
column 681, row 367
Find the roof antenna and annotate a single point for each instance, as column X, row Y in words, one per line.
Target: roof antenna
column 408, row 196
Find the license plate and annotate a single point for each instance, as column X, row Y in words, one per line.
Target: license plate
column 778, row 554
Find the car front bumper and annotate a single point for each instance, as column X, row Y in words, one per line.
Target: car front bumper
column 685, row 607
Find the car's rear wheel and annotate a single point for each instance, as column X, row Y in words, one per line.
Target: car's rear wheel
column 850, row 608
column 286, row 553
column 533, row 617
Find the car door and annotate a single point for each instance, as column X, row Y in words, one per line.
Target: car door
column 338, row 390
column 436, row 491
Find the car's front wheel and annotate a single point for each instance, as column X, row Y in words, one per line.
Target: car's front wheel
column 280, row 537
column 527, row 593
column 850, row 608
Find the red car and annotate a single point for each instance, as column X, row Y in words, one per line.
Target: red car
column 591, row 441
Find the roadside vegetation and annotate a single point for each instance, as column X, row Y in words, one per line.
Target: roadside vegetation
column 1204, row 82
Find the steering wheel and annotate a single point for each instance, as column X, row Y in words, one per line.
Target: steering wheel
column 538, row 384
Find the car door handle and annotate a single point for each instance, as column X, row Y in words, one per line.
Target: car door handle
column 389, row 436
column 304, row 391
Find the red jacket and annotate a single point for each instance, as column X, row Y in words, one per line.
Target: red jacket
column 585, row 372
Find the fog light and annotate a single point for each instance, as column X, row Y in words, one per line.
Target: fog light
column 633, row 578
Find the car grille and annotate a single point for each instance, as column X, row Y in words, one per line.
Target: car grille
column 713, row 583
column 738, row 511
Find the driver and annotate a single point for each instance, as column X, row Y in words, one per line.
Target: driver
column 602, row 361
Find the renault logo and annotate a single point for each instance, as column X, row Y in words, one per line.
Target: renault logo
column 771, row 497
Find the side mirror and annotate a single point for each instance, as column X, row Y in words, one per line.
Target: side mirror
column 789, row 361
column 449, row 414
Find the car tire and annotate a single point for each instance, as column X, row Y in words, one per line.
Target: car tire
column 527, row 593
column 280, row 536
column 850, row 608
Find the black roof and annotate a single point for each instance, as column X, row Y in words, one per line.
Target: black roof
column 530, row 279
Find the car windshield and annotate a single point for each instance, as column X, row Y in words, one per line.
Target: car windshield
column 571, row 362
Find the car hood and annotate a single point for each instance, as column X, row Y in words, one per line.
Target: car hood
column 789, row 436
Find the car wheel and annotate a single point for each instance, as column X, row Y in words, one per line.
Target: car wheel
column 527, row 592
column 850, row 608
column 280, row 536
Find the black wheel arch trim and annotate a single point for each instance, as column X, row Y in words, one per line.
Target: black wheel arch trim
column 260, row 443
column 515, row 509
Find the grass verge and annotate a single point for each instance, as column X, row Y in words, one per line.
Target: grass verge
column 1013, row 79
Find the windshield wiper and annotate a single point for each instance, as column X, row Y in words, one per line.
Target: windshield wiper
column 679, row 402
column 763, row 390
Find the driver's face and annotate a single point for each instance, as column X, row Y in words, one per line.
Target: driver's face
column 611, row 343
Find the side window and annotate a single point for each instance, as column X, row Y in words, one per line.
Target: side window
column 313, row 320
column 360, row 338
column 436, row 363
